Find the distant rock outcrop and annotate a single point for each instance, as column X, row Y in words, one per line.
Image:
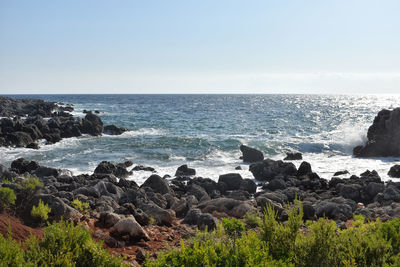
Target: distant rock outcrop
column 383, row 136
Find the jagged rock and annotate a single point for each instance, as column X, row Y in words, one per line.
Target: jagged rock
column 206, row 221
column 232, row 180
column 229, row 206
column 268, row 169
column 293, row 156
column 248, row 185
column 161, row 216
column 129, row 226
column 338, row 173
column 394, row 171
column 158, row 184
column 184, row 170
column 304, row 169
column 106, row 167
column 143, row 168
column 276, row 184
column 251, row 154
column 45, row 172
column 22, row 165
column 192, row 216
column 332, row 210
column 114, row 130
column 383, row 136
column 108, row 219
column 92, row 125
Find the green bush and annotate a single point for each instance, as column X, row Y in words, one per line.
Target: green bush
column 252, row 219
column 7, row 197
column 64, row 244
column 293, row 243
column 233, row 227
column 11, row 253
column 41, row 212
column 82, row 207
column 31, row 184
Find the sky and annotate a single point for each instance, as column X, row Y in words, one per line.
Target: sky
column 208, row 46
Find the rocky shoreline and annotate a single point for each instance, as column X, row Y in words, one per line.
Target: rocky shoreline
column 125, row 215
column 26, row 122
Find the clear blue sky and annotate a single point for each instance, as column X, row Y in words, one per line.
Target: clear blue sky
column 199, row 46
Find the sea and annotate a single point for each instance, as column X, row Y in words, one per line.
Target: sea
column 205, row 132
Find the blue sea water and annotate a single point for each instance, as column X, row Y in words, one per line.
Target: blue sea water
column 205, row 132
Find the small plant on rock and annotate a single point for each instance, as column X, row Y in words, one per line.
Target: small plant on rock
column 41, row 212
column 7, row 198
column 233, row 227
column 31, row 184
column 82, row 207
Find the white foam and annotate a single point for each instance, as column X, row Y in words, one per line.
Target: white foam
column 140, row 132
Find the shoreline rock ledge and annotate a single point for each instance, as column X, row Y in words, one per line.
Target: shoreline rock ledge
column 383, row 136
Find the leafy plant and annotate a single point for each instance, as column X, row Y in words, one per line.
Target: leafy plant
column 82, row 207
column 31, row 184
column 252, row 219
column 63, row 244
column 233, row 227
column 41, row 211
column 7, row 197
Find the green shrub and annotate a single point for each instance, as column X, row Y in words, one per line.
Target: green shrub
column 82, row 207
column 293, row 243
column 233, row 227
column 11, row 253
column 152, row 221
column 41, row 212
column 66, row 244
column 31, row 184
column 7, row 197
column 252, row 219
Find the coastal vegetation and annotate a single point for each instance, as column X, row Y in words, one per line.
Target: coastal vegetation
column 64, row 244
column 294, row 243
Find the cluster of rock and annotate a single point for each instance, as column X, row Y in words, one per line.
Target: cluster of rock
column 45, row 120
column 123, row 209
column 383, row 136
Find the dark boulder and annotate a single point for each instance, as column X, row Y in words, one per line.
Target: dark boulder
column 184, row 170
column 32, row 146
column 293, row 156
column 276, row 184
column 338, row 173
column 114, row 130
column 268, row 169
column 350, row 191
column 143, row 168
column 206, row 221
column 106, row 167
column 251, row 154
column 22, row 165
column 158, row 184
column 383, row 136
column 46, row 172
column 304, row 169
column 335, row 211
column 232, row 180
column 192, row 216
column 248, row 185
column 394, row 171
column 92, row 125
column 19, row 139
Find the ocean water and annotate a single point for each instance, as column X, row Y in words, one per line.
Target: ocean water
column 205, row 132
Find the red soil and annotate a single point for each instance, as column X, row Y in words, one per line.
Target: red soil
column 20, row 232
